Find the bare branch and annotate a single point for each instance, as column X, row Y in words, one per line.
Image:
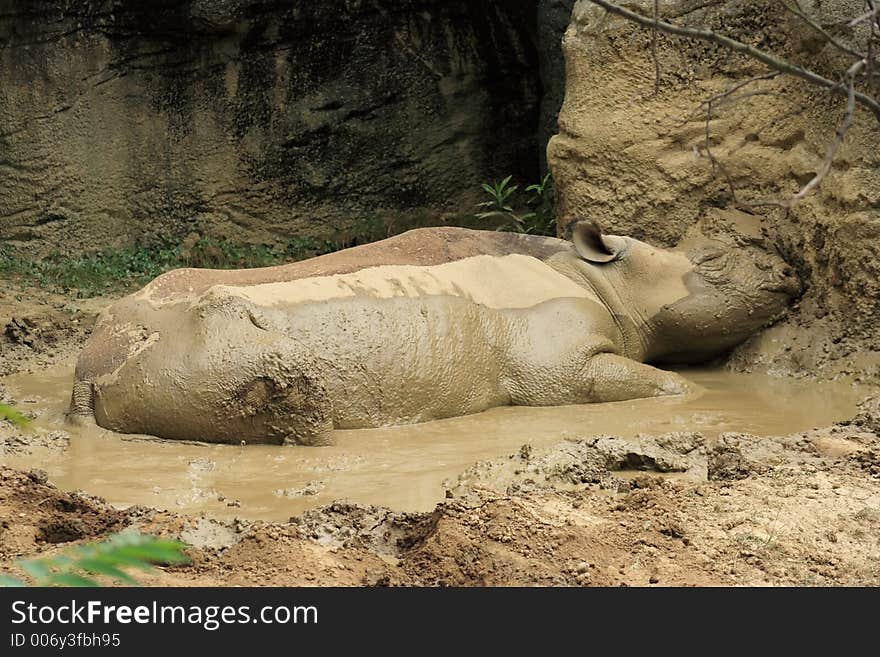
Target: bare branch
column 739, row 85
column 717, row 99
column 654, row 49
column 715, row 163
column 833, row 147
column 776, row 63
column 830, row 38
column 874, row 13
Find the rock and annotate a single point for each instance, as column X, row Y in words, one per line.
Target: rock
column 208, row 533
column 311, row 488
column 254, row 120
column 868, row 416
column 38, row 476
column 553, row 19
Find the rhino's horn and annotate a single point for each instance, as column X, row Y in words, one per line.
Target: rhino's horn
column 590, row 243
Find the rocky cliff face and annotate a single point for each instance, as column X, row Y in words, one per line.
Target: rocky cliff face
column 637, row 161
column 124, row 122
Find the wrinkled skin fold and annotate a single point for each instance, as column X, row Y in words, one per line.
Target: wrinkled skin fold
column 433, row 323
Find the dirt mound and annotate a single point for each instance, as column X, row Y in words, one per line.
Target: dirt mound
column 34, row 514
column 38, row 330
column 583, row 461
column 674, row 509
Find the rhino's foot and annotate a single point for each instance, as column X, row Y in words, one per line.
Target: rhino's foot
column 616, row 378
column 82, row 404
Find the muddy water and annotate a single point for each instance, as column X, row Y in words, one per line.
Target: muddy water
column 399, row 467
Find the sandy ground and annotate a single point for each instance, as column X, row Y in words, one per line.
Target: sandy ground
column 665, row 510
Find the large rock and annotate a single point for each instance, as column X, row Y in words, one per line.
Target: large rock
column 636, row 161
column 125, row 121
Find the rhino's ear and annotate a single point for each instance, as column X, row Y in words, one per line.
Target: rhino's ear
column 591, row 244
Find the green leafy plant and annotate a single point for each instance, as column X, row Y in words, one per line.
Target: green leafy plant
column 17, row 419
column 114, row 271
column 86, row 565
column 499, row 204
column 536, row 217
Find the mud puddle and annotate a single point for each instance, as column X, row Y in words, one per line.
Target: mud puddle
column 400, row 467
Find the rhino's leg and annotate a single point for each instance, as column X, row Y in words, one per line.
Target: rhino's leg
column 561, row 354
column 82, row 404
column 609, row 377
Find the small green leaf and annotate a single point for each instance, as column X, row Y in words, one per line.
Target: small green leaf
column 101, row 567
column 9, row 413
column 7, row 581
column 69, row 579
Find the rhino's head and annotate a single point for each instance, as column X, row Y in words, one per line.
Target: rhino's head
column 691, row 303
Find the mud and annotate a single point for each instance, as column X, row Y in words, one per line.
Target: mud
column 800, row 510
column 404, row 468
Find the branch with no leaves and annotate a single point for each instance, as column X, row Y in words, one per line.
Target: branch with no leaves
column 771, row 61
column 795, row 9
column 654, row 48
column 709, row 104
column 833, row 147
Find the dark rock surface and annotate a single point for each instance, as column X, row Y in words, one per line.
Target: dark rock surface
column 126, row 122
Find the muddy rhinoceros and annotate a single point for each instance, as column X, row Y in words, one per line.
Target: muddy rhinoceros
column 433, row 323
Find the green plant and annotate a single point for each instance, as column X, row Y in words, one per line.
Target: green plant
column 106, row 272
column 9, row 413
column 498, row 205
column 80, row 565
column 542, row 219
column 536, row 218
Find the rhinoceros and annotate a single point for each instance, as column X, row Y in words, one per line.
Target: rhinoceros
column 430, row 324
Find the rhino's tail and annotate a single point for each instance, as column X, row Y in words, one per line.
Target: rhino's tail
column 82, row 403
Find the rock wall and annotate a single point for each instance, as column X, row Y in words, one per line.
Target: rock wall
column 637, row 161
column 125, row 122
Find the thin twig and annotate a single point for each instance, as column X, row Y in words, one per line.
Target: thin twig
column 729, row 91
column 715, row 163
column 771, row 61
column 654, row 48
column 830, row 153
column 874, row 13
column 875, row 24
column 797, row 11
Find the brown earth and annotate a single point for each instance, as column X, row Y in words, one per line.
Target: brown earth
column 665, row 510
column 798, row 510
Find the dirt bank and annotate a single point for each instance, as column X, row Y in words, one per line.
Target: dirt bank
column 795, row 510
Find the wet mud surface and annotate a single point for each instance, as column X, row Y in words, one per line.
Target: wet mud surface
column 754, row 481
column 404, row 468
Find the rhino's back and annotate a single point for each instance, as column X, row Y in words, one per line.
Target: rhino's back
column 419, row 247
